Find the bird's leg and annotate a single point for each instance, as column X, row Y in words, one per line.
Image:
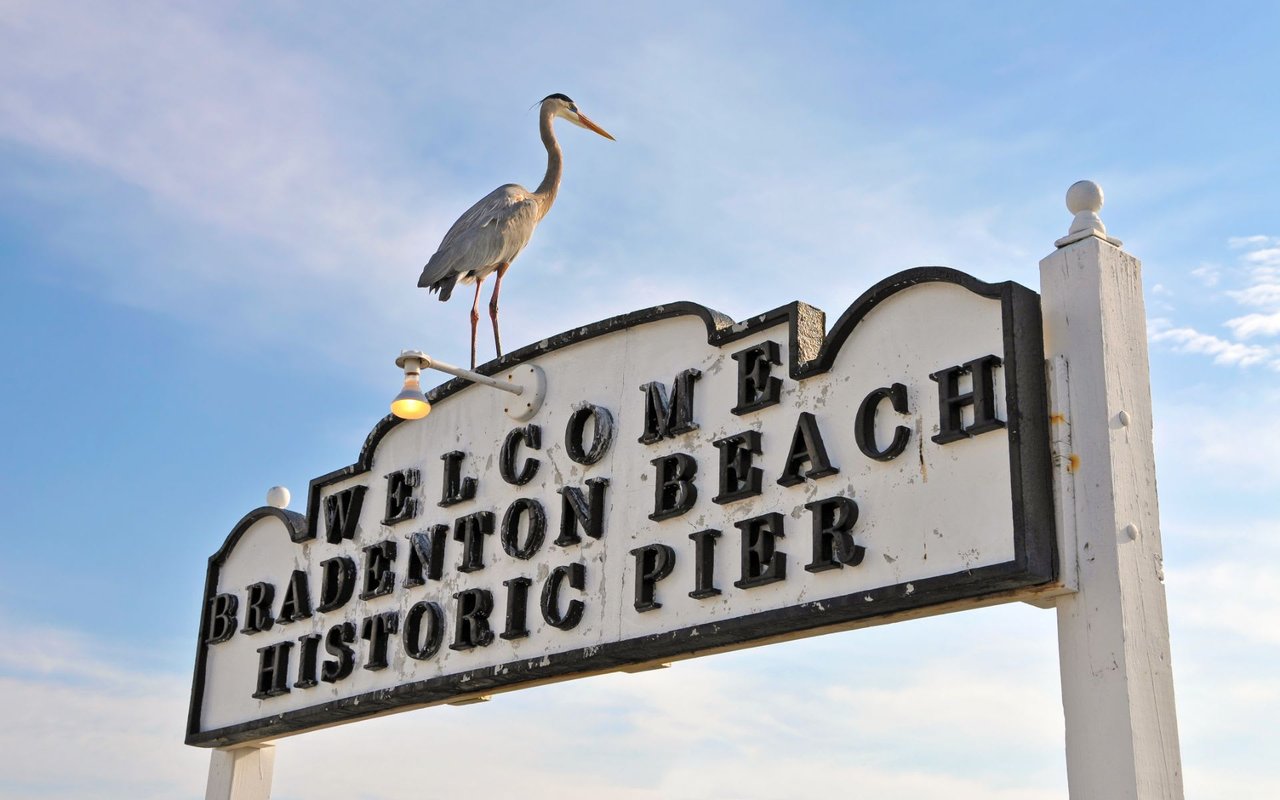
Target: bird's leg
column 475, row 320
column 493, row 307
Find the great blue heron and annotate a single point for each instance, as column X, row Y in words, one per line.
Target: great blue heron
column 492, row 233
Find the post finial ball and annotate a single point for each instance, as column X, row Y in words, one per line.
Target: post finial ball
column 278, row 497
column 1084, row 201
column 1084, row 196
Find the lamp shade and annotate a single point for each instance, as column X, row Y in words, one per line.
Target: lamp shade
column 411, row 403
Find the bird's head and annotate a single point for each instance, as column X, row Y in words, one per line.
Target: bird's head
column 561, row 106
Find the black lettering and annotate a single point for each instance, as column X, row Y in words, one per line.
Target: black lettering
column 517, row 608
column 653, row 563
column 665, row 419
column 951, row 402
column 738, row 479
column 471, row 530
column 833, row 546
column 761, row 562
column 273, row 670
column 577, row 575
column 379, row 577
column 864, row 426
column 577, row 510
column 342, row 512
column 307, row 660
column 704, row 563
column 673, row 490
column 806, row 448
column 601, row 437
column 530, row 435
column 524, row 508
column 456, row 488
column 401, row 504
column 257, row 611
column 338, row 643
column 756, row 389
column 337, row 582
column 222, row 618
column 421, row 645
column 377, row 630
column 297, row 599
column 471, row 626
column 426, row 555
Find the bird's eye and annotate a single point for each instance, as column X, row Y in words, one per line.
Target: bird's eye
column 573, row 108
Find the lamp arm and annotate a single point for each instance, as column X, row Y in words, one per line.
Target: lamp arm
column 427, row 362
column 474, row 377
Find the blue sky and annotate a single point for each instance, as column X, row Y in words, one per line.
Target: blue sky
column 212, row 218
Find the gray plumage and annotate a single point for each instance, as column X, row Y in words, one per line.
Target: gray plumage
column 491, row 232
column 489, row 236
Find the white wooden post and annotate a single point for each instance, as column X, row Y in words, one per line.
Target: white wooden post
column 241, row 773
column 1113, row 633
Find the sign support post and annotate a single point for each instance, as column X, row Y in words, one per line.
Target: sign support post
column 1113, row 633
column 241, row 773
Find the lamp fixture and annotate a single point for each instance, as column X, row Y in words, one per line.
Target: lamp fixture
column 411, row 403
column 526, row 383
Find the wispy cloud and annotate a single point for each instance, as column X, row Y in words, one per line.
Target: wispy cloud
column 1221, row 591
column 228, row 129
column 78, row 725
column 1238, row 242
column 1223, row 351
column 1262, row 291
column 1260, row 269
column 311, row 230
column 1243, row 604
column 1210, row 434
column 1251, row 325
column 790, row 720
column 794, row 720
column 249, row 196
column 1209, row 274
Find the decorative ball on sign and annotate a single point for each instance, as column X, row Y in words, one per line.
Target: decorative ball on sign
column 278, row 497
column 1084, row 196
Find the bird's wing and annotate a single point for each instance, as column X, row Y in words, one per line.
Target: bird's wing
column 492, row 230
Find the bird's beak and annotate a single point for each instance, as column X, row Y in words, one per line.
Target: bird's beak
column 591, row 126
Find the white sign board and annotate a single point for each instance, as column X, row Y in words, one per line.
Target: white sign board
column 690, row 485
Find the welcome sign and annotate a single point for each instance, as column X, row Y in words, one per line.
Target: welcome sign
column 689, row 485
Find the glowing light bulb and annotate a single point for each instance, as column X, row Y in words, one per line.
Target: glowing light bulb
column 411, row 403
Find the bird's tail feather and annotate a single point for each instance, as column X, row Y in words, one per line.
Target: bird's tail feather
column 445, row 287
column 430, row 280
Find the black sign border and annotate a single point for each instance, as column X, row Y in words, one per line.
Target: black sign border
column 811, row 353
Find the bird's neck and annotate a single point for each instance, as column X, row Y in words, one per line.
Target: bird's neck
column 546, row 193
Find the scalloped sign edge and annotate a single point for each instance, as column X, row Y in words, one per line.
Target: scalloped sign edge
column 812, row 352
